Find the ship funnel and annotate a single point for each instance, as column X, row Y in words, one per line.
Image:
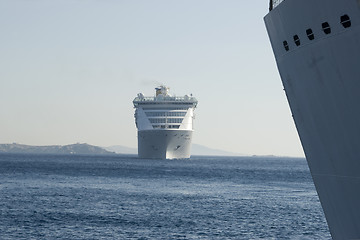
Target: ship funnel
column 163, row 90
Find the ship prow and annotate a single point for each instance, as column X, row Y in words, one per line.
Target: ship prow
column 317, row 50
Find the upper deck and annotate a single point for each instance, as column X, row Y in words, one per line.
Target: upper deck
column 162, row 97
column 185, row 100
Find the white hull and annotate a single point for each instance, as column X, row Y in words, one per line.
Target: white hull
column 321, row 78
column 165, row 124
column 164, row 144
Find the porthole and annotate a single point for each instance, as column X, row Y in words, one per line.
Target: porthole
column 286, row 46
column 345, row 21
column 326, row 27
column 297, row 40
column 310, row 34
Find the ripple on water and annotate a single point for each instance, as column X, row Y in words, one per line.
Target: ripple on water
column 79, row 197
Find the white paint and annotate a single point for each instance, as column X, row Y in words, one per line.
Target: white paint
column 187, row 123
column 142, row 120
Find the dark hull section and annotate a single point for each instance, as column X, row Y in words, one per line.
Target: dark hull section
column 320, row 71
column 164, row 144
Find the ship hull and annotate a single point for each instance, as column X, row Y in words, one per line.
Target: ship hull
column 321, row 78
column 164, row 144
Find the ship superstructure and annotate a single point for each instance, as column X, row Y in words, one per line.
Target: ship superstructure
column 316, row 44
column 165, row 124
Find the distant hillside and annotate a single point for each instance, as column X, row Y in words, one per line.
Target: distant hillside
column 87, row 149
column 121, row 149
column 55, row 149
column 196, row 149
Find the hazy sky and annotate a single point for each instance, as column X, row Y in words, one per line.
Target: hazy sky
column 69, row 70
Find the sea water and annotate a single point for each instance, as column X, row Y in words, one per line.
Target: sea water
column 123, row 197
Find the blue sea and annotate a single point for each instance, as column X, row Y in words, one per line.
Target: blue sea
column 123, row 197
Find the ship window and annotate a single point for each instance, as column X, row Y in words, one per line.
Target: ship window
column 174, row 120
column 176, row 114
column 310, row 34
column 157, row 120
column 155, row 114
column 286, row 46
column 326, row 27
column 167, row 108
column 163, row 114
column 345, row 21
column 297, row 40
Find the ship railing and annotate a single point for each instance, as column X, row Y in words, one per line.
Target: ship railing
column 274, row 4
column 165, row 99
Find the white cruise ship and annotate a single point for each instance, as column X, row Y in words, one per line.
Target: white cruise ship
column 165, row 124
column 316, row 44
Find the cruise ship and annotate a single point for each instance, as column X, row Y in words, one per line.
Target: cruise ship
column 164, row 124
column 316, row 44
